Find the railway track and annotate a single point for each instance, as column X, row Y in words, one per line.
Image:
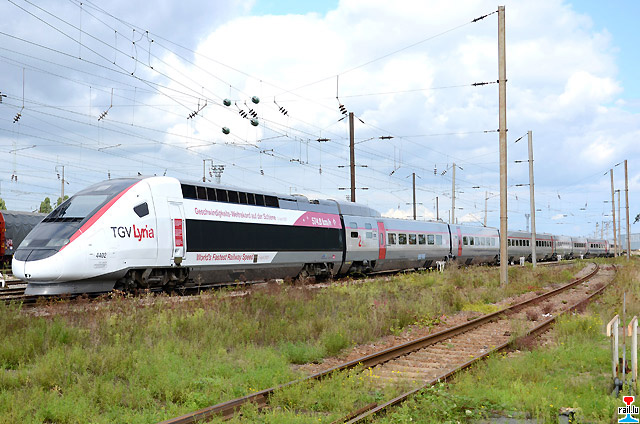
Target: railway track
column 436, row 357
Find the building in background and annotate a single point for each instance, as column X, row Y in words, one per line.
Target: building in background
column 635, row 241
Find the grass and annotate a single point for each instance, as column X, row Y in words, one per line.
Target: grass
column 535, row 384
column 134, row 360
column 574, row 372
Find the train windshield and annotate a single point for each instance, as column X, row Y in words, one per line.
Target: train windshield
column 78, row 207
column 56, row 229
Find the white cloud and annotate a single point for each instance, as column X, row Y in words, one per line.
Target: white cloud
column 562, row 85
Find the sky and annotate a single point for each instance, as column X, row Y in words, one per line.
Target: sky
column 124, row 88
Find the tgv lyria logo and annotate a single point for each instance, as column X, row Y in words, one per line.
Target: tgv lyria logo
column 137, row 233
column 628, row 410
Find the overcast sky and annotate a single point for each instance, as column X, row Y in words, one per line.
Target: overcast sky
column 114, row 89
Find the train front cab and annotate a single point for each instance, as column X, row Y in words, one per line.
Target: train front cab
column 89, row 241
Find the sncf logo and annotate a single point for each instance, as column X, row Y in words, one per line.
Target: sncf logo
column 133, row 231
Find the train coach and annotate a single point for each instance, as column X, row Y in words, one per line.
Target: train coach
column 162, row 232
column 14, row 227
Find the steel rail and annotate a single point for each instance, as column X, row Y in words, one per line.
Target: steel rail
column 539, row 329
column 228, row 409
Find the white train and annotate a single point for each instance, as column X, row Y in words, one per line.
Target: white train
column 161, row 232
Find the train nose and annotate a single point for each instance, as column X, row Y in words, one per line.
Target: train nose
column 48, row 269
column 17, row 268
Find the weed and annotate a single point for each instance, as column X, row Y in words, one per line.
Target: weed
column 532, row 314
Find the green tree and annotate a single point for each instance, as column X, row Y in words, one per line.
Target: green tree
column 3, row 206
column 60, row 200
column 45, row 205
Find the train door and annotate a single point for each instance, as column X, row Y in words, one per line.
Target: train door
column 456, row 239
column 382, row 254
column 178, row 226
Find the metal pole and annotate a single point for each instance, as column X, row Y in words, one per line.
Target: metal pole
column 414, row 196
column 437, row 210
column 624, row 337
column 633, row 329
column 485, row 208
column 352, row 158
column 626, row 200
column 453, row 195
column 613, row 213
column 502, row 89
column 533, row 202
column 203, row 170
column 62, row 190
column 619, row 226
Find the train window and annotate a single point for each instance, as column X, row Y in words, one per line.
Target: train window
column 431, row 239
column 471, row 242
column 527, row 242
column 260, row 199
column 422, row 239
column 270, row 201
column 465, row 241
column 188, row 191
column 233, row 196
column 201, row 192
column 251, row 199
column 354, row 234
column 402, row 239
column 211, row 193
column 439, row 240
column 221, row 195
column 242, row 197
column 391, row 238
column 141, row 210
column 353, row 225
column 367, row 226
column 369, row 234
column 412, row 239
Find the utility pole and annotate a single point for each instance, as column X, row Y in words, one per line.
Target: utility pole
column 352, row 158
column 204, row 170
column 619, row 224
column 217, row 172
column 613, row 213
column 626, row 200
column 533, row 202
column 62, row 186
column 485, row 208
column 453, row 196
column 502, row 97
column 437, row 210
column 62, row 181
column 414, row 195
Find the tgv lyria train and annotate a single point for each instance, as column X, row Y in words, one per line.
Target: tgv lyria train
column 161, row 232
